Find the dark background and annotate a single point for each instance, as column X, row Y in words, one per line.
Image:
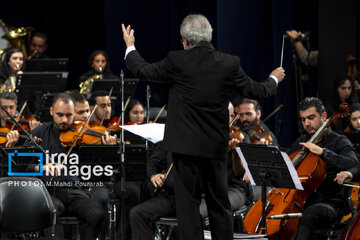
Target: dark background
column 253, row 30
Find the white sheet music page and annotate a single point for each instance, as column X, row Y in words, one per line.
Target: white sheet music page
column 154, row 132
column 293, row 172
column 244, row 163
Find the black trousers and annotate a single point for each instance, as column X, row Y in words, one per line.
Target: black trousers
column 144, row 215
column 191, row 175
column 78, row 203
column 317, row 216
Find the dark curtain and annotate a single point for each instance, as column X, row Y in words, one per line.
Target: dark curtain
column 253, row 30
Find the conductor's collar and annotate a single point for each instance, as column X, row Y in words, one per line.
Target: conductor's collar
column 204, row 44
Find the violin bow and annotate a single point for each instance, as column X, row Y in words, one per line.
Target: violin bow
column 273, row 112
column 166, row 175
column 102, row 119
column 234, row 120
column 160, row 112
column 126, row 104
column 18, row 117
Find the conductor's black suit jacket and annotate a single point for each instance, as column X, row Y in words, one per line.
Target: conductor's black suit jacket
column 201, row 80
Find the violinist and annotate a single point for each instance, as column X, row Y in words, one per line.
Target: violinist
column 327, row 204
column 103, row 111
column 135, row 112
column 249, row 111
column 82, row 107
column 68, row 198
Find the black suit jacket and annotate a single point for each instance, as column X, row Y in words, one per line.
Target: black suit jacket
column 201, row 80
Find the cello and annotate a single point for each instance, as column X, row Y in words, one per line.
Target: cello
column 311, row 170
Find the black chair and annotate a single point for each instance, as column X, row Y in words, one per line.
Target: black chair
column 25, row 206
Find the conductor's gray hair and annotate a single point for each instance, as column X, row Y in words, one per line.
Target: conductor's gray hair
column 196, row 28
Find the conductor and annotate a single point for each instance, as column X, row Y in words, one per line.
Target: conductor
column 196, row 132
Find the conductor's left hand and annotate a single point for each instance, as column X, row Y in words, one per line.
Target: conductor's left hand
column 128, row 35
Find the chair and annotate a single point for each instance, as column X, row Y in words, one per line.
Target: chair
column 70, row 220
column 25, row 205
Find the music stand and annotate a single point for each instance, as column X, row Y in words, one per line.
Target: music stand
column 268, row 168
column 19, row 164
column 47, row 64
column 130, row 85
column 135, row 154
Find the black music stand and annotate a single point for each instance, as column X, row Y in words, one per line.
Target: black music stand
column 32, row 85
column 47, row 64
column 19, row 164
column 135, row 154
column 130, row 85
column 268, row 169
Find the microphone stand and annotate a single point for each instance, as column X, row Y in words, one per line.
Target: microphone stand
column 13, row 121
column 121, row 152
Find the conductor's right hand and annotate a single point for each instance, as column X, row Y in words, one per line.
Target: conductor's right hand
column 279, row 73
column 128, row 35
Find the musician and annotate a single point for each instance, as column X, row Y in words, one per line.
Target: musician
column 327, row 204
column 104, row 108
column 99, row 64
column 135, row 112
column 38, row 45
column 343, row 89
column 70, row 199
column 9, row 101
column 354, row 119
column 13, row 64
column 82, row 107
column 196, row 129
column 249, row 111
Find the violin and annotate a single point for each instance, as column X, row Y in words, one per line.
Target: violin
column 3, row 139
column 23, row 121
column 344, row 112
column 259, row 133
column 90, row 135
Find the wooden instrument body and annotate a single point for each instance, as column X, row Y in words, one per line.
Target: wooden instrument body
column 312, row 172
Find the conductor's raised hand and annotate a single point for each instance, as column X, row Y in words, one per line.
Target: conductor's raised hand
column 128, row 35
column 279, row 73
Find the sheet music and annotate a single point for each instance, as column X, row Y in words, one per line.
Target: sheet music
column 244, row 163
column 288, row 163
column 154, row 132
column 293, row 172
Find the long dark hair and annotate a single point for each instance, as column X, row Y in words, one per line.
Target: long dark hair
column 338, row 81
column 353, row 108
column 6, row 68
column 94, row 54
column 131, row 105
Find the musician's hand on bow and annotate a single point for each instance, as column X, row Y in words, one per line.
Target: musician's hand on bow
column 12, row 138
column 312, row 147
column 233, row 143
column 343, row 176
column 157, row 180
column 128, row 35
column 246, row 178
column 279, row 73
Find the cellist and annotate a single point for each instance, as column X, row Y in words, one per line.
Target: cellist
column 326, row 205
